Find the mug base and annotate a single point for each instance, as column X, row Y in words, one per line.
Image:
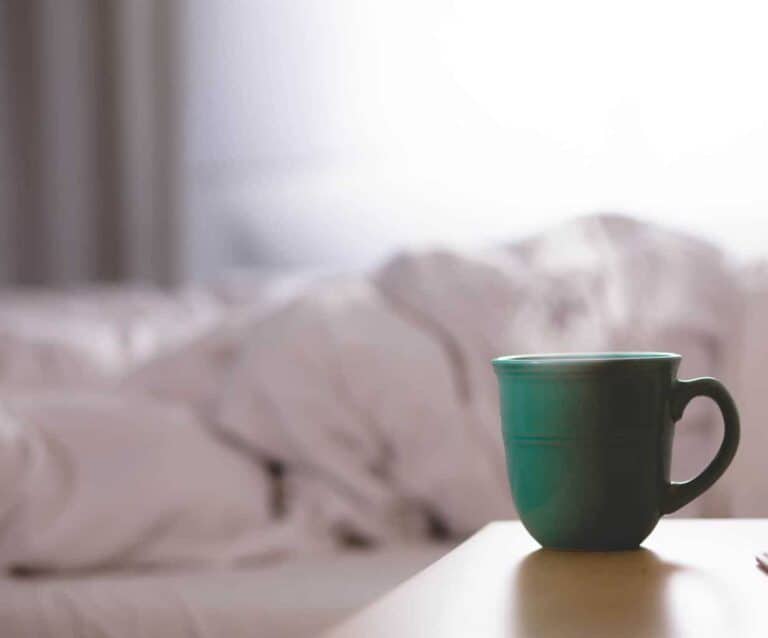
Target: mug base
column 596, row 549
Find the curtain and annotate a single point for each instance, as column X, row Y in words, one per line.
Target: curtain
column 89, row 141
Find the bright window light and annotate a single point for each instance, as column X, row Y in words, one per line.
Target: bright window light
column 477, row 120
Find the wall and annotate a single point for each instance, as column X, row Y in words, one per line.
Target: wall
column 329, row 133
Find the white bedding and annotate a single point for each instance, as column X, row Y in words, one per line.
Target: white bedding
column 371, row 394
column 97, row 480
column 295, row 599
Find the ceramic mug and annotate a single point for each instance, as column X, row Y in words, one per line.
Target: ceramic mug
column 588, row 439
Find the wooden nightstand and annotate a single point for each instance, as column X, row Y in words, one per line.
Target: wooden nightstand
column 693, row 578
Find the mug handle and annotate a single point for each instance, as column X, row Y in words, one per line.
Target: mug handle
column 679, row 494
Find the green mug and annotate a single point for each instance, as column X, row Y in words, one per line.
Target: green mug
column 588, row 439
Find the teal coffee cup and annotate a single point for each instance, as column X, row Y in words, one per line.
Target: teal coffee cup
column 588, row 439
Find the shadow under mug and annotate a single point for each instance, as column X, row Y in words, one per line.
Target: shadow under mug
column 588, row 441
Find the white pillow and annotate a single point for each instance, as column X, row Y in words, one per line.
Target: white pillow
column 91, row 480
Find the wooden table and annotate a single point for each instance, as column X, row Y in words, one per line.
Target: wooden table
column 694, row 578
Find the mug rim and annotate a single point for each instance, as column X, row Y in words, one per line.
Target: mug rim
column 581, row 359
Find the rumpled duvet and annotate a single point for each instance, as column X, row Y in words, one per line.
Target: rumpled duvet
column 355, row 409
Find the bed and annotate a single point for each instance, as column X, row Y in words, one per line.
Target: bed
column 110, row 526
column 291, row 599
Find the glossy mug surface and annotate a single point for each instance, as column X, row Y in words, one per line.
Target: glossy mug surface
column 588, row 441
